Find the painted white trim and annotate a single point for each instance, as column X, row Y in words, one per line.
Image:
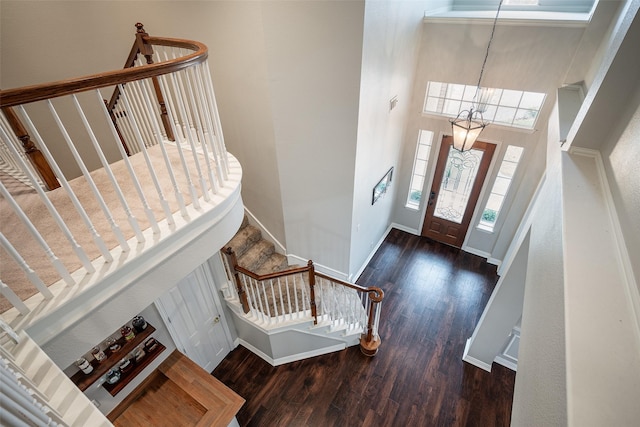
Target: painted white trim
column 472, row 360
column 622, row 254
column 494, row 261
column 356, row 276
column 475, row 251
column 404, row 228
column 483, row 254
column 295, row 259
column 522, row 230
column 541, row 19
column 270, row 237
column 307, row 354
column 507, row 363
column 254, row 350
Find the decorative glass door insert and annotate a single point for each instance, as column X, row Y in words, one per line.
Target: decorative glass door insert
column 456, row 186
column 457, row 182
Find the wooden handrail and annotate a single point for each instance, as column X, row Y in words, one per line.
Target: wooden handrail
column 369, row 343
column 18, row 96
column 40, row 92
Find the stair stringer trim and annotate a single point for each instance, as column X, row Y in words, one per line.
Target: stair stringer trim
column 289, row 342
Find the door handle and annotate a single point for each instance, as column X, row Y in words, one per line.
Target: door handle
column 432, row 196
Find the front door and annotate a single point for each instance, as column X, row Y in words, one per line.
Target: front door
column 456, row 186
column 194, row 320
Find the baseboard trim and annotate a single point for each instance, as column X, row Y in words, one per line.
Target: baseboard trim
column 404, row 228
column 472, row 360
column 295, row 259
column 308, row 354
column 270, row 237
column 507, row 363
column 255, row 350
column 356, row 276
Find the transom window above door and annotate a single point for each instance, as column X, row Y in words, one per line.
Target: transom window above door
column 505, row 107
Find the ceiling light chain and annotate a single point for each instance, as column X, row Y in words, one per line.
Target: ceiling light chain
column 468, row 125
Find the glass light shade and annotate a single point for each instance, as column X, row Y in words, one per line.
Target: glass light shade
column 466, row 130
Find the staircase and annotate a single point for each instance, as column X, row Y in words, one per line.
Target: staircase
column 285, row 313
column 254, row 252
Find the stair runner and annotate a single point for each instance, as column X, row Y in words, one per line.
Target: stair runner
column 255, row 253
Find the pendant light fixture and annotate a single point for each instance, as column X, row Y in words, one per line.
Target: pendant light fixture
column 468, row 125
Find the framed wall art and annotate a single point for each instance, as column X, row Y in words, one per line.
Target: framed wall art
column 382, row 186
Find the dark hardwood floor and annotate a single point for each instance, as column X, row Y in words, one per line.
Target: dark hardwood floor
column 434, row 296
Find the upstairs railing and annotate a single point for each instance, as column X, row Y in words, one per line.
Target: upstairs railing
column 302, row 293
column 126, row 163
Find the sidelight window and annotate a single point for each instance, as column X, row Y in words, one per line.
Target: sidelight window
column 421, row 159
column 500, row 188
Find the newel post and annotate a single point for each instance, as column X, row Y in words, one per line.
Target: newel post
column 147, row 50
column 370, row 341
column 240, row 289
column 36, row 157
column 312, row 291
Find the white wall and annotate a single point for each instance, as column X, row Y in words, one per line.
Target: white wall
column 621, row 156
column 313, row 53
column 391, row 37
column 540, row 394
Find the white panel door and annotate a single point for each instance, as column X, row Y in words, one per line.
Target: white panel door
column 194, row 320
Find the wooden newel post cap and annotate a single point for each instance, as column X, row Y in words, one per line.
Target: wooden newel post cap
column 140, row 27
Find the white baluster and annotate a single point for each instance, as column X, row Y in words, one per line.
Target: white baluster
column 273, row 298
column 169, row 97
column 286, row 286
column 15, row 301
column 250, row 292
column 124, row 126
column 136, row 182
column 165, row 156
column 266, row 302
column 179, row 139
column 31, row 275
column 138, row 114
column 199, row 113
column 105, row 164
column 152, row 172
column 82, row 256
column 186, row 118
column 92, row 185
column 211, row 97
column 210, row 130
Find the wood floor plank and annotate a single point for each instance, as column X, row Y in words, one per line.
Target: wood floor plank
column 434, row 296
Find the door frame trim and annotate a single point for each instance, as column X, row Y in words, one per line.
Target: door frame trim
column 435, row 148
column 202, row 272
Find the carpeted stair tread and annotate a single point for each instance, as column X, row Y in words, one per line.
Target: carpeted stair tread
column 276, row 262
column 257, row 255
column 244, row 239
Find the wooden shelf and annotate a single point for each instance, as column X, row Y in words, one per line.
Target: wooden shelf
column 126, row 378
column 83, row 381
